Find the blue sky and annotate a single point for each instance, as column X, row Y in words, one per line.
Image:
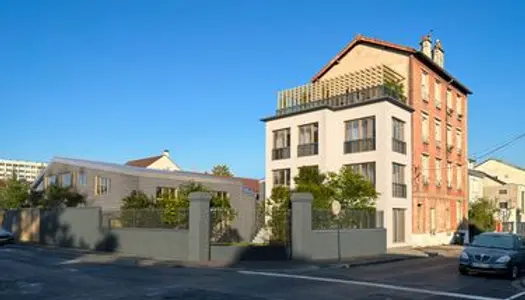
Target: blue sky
column 116, row 80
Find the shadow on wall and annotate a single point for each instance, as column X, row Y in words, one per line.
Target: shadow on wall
column 68, row 227
column 76, row 228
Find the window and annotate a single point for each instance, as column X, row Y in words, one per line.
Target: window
column 459, row 177
column 398, row 179
column 424, row 163
column 437, row 93
column 459, row 139
column 102, row 185
column 221, row 195
column 424, row 127
column 433, row 220
column 398, row 136
column 168, row 192
column 308, row 134
column 51, row 180
column 449, row 175
column 398, row 129
column 503, row 192
column 424, row 86
column 447, row 219
column 66, row 179
column 281, row 144
column 360, row 135
column 450, row 141
column 308, row 140
column 281, row 177
column 281, row 138
column 438, row 172
column 367, row 170
column 437, row 132
column 459, row 105
column 449, row 99
column 82, row 179
column 459, row 212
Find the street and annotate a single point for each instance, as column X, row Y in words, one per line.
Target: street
column 35, row 273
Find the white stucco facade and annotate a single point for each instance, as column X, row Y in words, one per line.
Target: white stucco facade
column 331, row 156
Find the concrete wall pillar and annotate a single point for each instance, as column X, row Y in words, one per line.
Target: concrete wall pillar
column 301, row 225
column 199, row 226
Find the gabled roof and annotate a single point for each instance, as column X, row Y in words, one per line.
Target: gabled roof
column 143, row 162
column 137, row 171
column 482, row 174
column 502, row 162
column 359, row 39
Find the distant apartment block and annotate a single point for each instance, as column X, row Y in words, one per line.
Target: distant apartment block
column 24, row 170
column 412, row 147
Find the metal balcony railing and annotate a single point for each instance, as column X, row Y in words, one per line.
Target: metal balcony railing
column 399, row 190
column 346, row 99
column 280, row 153
column 399, row 146
column 308, row 149
column 362, row 145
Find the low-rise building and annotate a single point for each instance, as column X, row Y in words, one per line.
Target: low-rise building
column 502, row 170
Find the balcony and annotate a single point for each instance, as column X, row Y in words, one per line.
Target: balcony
column 343, row 91
column 399, row 190
column 399, row 146
column 308, row 149
column 362, row 145
column 280, row 153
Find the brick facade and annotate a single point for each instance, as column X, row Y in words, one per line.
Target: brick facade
column 450, row 204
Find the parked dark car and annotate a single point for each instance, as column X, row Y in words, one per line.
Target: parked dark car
column 494, row 253
column 6, row 237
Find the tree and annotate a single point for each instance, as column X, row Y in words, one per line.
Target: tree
column 311, row 180
column 279, row 203
column 14, row 194
column 57, row 196
column 138, row 200
column 222, row 170
column 352, row 190
column 481, row 214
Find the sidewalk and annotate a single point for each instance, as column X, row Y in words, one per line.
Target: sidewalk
column 79, row 256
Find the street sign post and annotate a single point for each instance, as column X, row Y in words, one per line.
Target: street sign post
column 336, row 210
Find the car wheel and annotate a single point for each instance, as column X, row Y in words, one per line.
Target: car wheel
column 463, row 272
column 514, row 272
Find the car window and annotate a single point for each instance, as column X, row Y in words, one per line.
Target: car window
column 495, row 241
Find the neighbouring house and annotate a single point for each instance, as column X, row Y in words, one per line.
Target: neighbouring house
column 159, row 162
column 502, row 170
column 106, row 184
column 23, row 169
column 478, row 181
column 509, row 199
column 394, row 114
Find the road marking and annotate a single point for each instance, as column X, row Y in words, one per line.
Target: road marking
column 375, row 285
column 515, row 296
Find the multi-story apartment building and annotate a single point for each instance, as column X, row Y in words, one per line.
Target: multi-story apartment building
column 355, row 120
column 435, row 165
column 24, row 170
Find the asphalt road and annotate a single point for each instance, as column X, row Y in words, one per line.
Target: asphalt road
column 34, row 273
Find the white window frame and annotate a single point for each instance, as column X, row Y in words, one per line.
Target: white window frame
column 82, row 179
column 425, row 127
column 425, row 168
column 459, row 105
column 309, row 134
column 450, row 174
column 425, row 91
column 278, row 173
column 459, row 177
column 63, row 176
column 102, row 185
column 437, row 93
column 449, row 99
column 459, row 139
column 437, row 131
column 438, row 171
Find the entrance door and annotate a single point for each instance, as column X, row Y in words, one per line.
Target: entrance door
column 398, row 217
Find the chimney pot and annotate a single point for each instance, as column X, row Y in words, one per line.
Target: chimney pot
column 426, row 45
column 166, row 153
